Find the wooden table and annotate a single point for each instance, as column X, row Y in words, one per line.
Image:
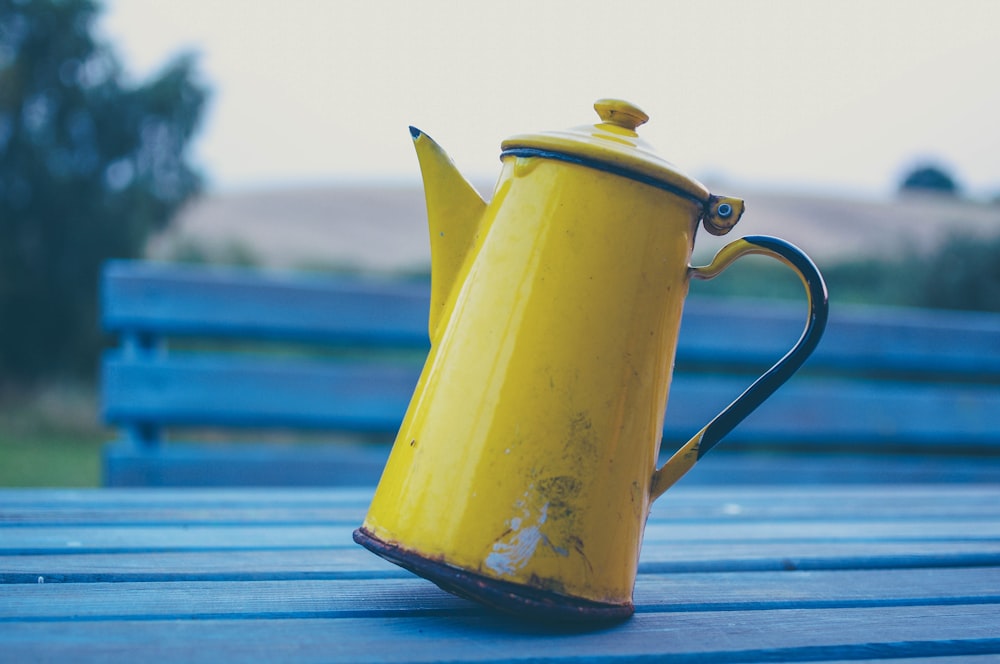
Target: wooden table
column 727, row 574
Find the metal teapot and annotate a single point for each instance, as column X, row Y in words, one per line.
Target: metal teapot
column 525, row 466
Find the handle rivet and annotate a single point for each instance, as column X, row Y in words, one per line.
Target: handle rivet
column 724, row 210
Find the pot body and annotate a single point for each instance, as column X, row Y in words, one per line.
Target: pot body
column 524, row 461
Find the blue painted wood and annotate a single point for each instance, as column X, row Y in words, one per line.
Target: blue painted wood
column 882, row 379
column 860, row 341
column 817, row 573
column 173, row 300
column 192, row 464
column 162, row 300
column 252, row 392
column 838, row 413
column 214, row 390
column 389, row 597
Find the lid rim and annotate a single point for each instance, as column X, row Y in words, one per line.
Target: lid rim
column 600, row 165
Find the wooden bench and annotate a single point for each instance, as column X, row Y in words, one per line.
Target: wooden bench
column 206, row 353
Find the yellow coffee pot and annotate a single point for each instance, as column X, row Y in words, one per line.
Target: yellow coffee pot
column 525, row 466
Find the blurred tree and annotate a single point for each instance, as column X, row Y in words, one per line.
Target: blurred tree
column 929, row 178
column 963, row 273
column 90, row 166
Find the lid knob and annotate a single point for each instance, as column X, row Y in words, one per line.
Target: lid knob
column 621, row 113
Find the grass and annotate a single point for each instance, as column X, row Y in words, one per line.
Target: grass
column 962, row 273
column 752, row 276
column 50, row 437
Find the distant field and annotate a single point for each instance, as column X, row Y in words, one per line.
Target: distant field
column 383, row 228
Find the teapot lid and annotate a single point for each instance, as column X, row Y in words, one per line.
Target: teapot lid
column 611, row 145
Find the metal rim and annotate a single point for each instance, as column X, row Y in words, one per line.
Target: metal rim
column 521, row 601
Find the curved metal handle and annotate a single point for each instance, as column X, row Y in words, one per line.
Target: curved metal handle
column 763, row 387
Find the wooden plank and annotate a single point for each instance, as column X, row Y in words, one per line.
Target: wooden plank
column 353, row 562
column 851, row 633
column 727, row 466
column 35, row 539
column 198, row 300
column 336, row 463
column 931, row 659
column 84, row 515
column 700, row 503
column 938, row 344
column 207, row 389
column 244, row 464
column 298, row 599
column 835, row 413
column 253, row 393
column 71, row 497
column 40, row 540
column 187, row 300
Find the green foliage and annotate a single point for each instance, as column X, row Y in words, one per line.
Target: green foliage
column 875, row 280
column 962, row 272
column 50, row 437
column 200, row 253
column 752, row 276
column 929, row 178
column 90, row 166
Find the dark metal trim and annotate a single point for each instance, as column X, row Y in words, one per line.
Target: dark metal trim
column 519, row 600
column 607, row 168
column 764, row 386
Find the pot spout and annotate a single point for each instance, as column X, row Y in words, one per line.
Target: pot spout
column 454, row 212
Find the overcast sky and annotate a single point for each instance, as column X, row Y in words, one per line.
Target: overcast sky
column 828, row 96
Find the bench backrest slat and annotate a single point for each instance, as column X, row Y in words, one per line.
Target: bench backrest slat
column 220, row 391
column 215, row 391
column 187, row 301
column 893, row 341
column 148, row 299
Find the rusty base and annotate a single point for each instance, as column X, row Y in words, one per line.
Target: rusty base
column 522, row 601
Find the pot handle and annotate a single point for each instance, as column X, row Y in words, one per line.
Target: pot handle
column 683, row 460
